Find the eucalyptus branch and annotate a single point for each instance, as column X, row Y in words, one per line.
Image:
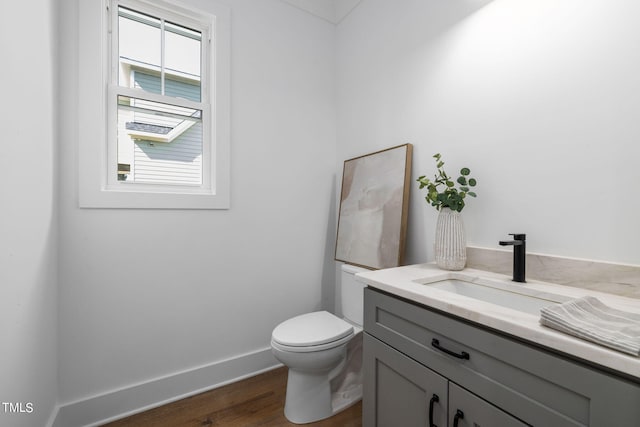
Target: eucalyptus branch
column 450, row 197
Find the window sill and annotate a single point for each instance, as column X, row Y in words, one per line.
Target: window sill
column 158, row 199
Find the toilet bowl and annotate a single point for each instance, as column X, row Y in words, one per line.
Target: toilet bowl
column 324, row 355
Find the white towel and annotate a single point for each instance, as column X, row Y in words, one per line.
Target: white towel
column 588, row 318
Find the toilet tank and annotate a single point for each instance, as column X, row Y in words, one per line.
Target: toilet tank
column 352, row 294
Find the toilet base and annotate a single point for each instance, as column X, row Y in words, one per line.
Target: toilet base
column 310, row 399
column 314, row 397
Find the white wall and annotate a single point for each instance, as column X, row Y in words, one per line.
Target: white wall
column 148, row 293
column 539, row 98
column 28, row 236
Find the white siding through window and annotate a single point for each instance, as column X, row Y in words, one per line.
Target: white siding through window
column 179, row 161
column 175, row 162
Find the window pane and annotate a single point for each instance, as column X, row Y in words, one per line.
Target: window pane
column 139, row 43
column 182, row 53
column 179, row 88
column 158, row 143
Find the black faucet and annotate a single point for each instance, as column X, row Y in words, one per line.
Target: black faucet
column 519, row 244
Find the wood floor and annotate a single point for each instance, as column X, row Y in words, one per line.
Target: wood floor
column 256, row 401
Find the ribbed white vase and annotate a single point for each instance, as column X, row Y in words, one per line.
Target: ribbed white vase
column 451, row 244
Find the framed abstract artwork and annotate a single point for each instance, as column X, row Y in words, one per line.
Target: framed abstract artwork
column 374, row 202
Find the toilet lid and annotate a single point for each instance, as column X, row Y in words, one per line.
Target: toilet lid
column 311, row 329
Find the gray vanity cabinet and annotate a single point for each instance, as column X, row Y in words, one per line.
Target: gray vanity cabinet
column 405, row 392
column 409, row 394
column 412, row 353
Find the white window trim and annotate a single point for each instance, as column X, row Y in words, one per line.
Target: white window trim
column 95, row 189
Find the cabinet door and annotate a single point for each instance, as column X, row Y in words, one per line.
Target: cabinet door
column 398, row 391
column 468, row 410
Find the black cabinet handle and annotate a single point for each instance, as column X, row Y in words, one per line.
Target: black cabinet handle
column 462, row 355
column 433, row 400
column 458, row 417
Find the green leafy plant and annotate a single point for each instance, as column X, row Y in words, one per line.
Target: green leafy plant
column 449, row 197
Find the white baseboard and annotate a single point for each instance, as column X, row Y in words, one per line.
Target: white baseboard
column 108, row 407
column 52, row 418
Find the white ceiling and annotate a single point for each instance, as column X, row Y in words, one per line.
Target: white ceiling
column 331, row 10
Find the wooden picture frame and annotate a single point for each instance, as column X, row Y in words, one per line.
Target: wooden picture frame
column 374, row 203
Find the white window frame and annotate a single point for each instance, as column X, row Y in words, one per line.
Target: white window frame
column 97, row 117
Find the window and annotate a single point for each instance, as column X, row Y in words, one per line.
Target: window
column 164, row 140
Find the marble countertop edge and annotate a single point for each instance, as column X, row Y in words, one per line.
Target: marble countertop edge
column 405, row 282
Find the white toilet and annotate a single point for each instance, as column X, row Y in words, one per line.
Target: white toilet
column 324, row 355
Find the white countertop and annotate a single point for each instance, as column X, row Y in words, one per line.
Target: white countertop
column 411, row 282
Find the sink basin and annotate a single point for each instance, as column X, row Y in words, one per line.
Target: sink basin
column 515, row 297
